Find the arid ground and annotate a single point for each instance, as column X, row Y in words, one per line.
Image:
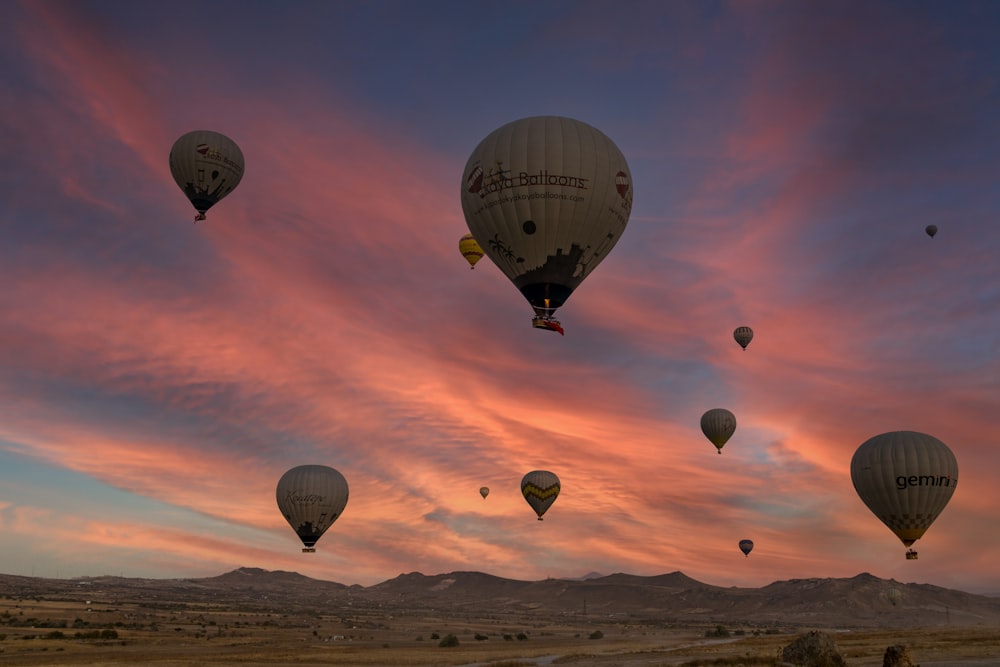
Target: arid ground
column 217, row 622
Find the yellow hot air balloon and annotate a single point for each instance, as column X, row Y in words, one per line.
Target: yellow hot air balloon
column 718, row 425
column 743, row 336
column 547, row 197
column 470, row 250
column 540, row 489
column 905, row 478
column 207, row 166
column 311, row 498
column 484, row 491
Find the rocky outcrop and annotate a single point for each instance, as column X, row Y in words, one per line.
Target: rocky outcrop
column 898, row 656
column 813, row 649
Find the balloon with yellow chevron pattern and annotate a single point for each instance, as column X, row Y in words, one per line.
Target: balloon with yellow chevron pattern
column 540, row 489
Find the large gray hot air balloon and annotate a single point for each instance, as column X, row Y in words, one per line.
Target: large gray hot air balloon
column 743, row 336
column 905, row 478
column 718, row 425
column 540, row 488
column 207, row 166
column 547, row 198
column 311, row 498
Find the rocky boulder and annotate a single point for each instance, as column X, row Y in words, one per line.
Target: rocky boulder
column 813, row 649
column 898, row 656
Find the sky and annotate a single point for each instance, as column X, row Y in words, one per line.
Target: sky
column 157, row 377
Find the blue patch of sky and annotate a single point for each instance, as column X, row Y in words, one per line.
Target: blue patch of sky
column 31, row 483
column 106, row 407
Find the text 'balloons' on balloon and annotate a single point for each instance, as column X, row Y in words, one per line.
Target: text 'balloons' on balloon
column 547, row 198
column 311, row 498
column 931, row 230
column 746, row 546
column 207, row 166
column 540, row 488
column 906, row 479
column 718, row 425
column 470, row 250
column 484, row 491
column 743, row 336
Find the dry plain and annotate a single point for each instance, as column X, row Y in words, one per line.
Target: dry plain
column 244, row 618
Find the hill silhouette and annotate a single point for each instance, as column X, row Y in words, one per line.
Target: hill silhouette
column 860, row 601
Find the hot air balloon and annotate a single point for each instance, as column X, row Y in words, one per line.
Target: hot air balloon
column 894, row 595
column 470, row 250
column 540, row 488
column 484, row 491
column 547, row 198
column 743, row 336
column 718, row 425
column 931, row 230
column 311, row 498
column 207, row 166
column 746, row 546
column 905, row 478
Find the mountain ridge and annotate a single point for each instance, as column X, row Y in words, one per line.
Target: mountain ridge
column 860, row 601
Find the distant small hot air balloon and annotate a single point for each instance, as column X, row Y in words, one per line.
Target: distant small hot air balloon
column 743, row 336
column 718, row 425
column 470, row 250
column 484, row 491
column 906, row 479
column 547, row 198
column 311, row 498
column 746, row 546
column 207, row 166
column 931, row 230
column 540, row 489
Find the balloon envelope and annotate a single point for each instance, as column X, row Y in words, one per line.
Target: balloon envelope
column 484, row 491
column 718, row 425
column 746, row 546
column 470, row 250
column 743, row 336
column 311, row 498
column 540, row 489
column 905, row 478
column 207, row 166
column 931, row 230
column 547, row 198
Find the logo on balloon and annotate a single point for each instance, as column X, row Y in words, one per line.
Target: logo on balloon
column 903, row 482
column 300, row 497
column 206, row 151
column 498, row 180
column 621, row 183
column 475, row 181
